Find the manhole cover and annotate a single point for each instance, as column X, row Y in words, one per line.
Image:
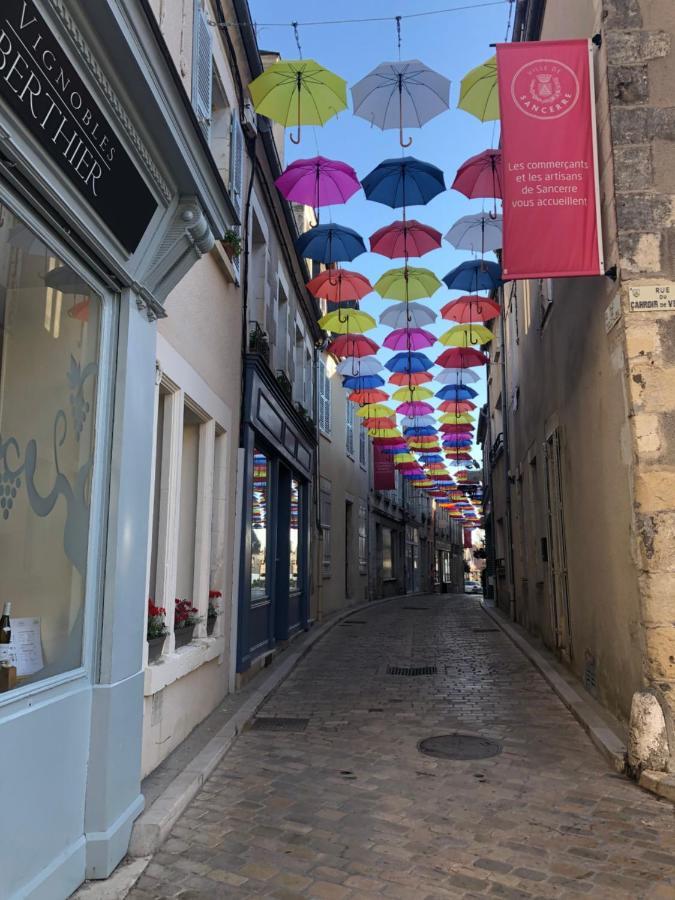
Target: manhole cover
column 459, row 746
column 412, row 670
column 278, row 723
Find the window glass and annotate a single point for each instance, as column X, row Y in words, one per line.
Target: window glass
column 387, row 554
column 259, row 523
column 49, row 343
column 294, row 574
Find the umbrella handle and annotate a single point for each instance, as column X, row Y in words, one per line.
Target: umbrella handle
column 299, row 86
column 400, row 115
column 295, row 140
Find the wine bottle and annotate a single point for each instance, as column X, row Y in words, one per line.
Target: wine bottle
column 5, row 624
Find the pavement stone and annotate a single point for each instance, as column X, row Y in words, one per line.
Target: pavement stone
column 349, row 807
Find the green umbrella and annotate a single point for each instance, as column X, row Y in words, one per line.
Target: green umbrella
column 350, row 321
column 408, row 283
column 478, row 91
column 298, row 92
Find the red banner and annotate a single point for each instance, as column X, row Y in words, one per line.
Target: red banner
column 549, row 152
column 467, row 539
column 383, row 470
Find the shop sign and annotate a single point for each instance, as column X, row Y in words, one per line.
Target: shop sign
column 43, row 89
column 550, row 190
column 652, row 297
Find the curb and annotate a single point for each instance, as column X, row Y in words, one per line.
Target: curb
column 602, row 736
column 154, row 824
column 660, row 783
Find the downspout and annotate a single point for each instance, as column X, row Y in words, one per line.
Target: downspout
column 507, row 468
column 317, row 487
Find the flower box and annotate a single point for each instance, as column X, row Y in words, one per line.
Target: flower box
column 155, row 646
column 183, row 635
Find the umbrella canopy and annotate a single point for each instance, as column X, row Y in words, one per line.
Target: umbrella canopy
column 366, row 365
column 470, row 309
column 330, row 243
column 407, row 283
column 409, row 362
column 362, row 382
column 298, row 92
column 318, row 181
column 375, row 409
column 409, row 339
column 403, row 94
column 414, row 408
column 456, row 392
column 466, row 335
column 452, row 375
column 387, row 433
column 353, row 345
column 480, row 233
column 348, row 321
column 412, row 393
column 372, row 395
column 412, row 314
column 478, row 93
column 415, row 421
column 480, row 176
column 410, row 378
column 405, row 238
column 339, row 286
column 455, row 428
column 461, row 357
column 403, row 182
column 456, row 406
column 474, row 275
column 380, row 422
column 419, row 430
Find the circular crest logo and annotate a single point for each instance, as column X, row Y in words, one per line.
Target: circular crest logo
column 545, row 89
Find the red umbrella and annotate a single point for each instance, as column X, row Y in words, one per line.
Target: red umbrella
column 468, row 309
column 379, row 422
column 480, row 175
column 390, row 442
column 405, row 238
column 461, row 358
column 339, row 286
column 448, row 428
column 368, row 396
column 457, row 406
column 353, row 345
column 414, row 378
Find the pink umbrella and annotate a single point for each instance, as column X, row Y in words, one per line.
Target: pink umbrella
column 318, row 182
column 481, row 176
column 405, row 238
column 409, row 339
column 414, row 408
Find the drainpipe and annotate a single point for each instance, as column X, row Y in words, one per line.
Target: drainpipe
column 507, row 468
column 317, row 486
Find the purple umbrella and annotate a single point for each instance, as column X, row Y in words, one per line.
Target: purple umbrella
column 318, row 182
column 409, row 339
column 416, row 408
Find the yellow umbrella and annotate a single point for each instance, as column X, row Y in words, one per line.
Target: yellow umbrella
column 374, row 409
column 453, row 419
column 478, row 91
column 349, row 321
column 412, row 393
column 466, row 335
column 384, row 432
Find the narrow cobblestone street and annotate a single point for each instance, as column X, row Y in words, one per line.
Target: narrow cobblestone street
column 349, row 807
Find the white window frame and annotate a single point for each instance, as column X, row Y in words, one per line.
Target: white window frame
column 349, row 429
column 325, row 516
column 324, row 399
column 363, row 445
column 202, row 55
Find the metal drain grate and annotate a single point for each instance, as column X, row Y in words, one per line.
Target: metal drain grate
column 459, row 746
column 485, row 630
column 278, row 723
column 354, row 622
column 412, row 670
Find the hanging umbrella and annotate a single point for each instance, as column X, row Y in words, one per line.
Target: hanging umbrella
column 452, row 375
column 481, row 176
column 414, row 408
column 413, row 421
column 407, row 283
column 386, row 433
column 461, row 357
column 419, row 431
column 403, row 94
column 350, row 321
column 465, row 335
column 480, row 232
column 478, row 93
column 298, row 92
column 403, row 182
column 366, row 365
column 380, row 422
column 409, row 339
column 454, row 428
column 470, row 309
column 409, row 362
column 456, row 406
column 456, row 392
column 362, row 382
column 412, row 393
column 339, row 286
column 375, row 409
column 318, row 182
column 372, row 395
column 405, row 238
column 353, row 345
column 474, row 275
column 415, row 315
column 330, row 243
column 410, row 378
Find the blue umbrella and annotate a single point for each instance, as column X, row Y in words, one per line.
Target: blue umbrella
column 403, row 182
column 456, row 392
column 427, row 458
column 409, row 362
column 330, row 244
column 418, row 430
column 362, row 382
column 475, row 275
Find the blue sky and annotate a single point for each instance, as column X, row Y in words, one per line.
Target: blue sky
column 452, row 43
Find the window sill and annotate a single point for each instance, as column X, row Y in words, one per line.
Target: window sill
column 225, row 263
column 181, row 662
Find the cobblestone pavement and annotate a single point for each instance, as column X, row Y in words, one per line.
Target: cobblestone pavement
column 349, row 808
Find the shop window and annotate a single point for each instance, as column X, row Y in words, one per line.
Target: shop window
column 294, row 574
column 387, row 554
column 260, row 526
column 363, row 538
column 349, row 428
column 49, row 351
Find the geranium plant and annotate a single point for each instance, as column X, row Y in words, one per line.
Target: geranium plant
column 156, row 621
column 185, row 615
column 214, row 608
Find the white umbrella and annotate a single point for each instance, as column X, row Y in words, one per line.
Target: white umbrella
column 364, row 365
column 454, row 376
column 477, row 232
column 417, row 421
column 403, row 94
column 400, row 315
